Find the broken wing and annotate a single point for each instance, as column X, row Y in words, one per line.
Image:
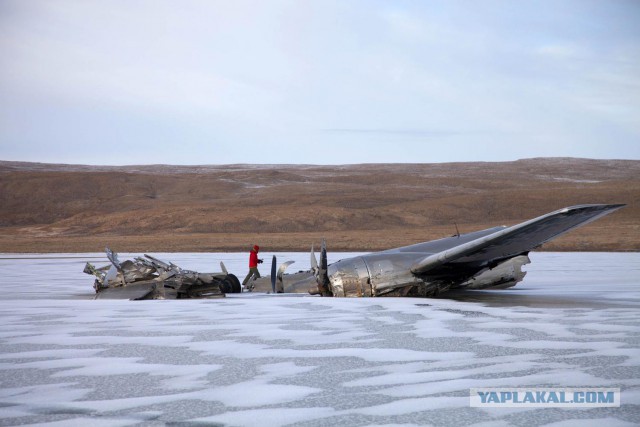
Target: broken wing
column 513, row 241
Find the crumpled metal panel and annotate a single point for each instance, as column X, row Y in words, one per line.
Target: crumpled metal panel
column 151, row 278
column 391, row 273
column 504, row 275
column 350, row 278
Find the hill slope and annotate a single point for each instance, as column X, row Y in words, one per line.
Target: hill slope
column 71, row 208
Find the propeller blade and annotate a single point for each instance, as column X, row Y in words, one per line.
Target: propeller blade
column 323, row 257
column 314, row 262
column 280, row 282
column 224, row 268
column 320, row 272
column 322, row 277
column 282, row 268
column 273, row 274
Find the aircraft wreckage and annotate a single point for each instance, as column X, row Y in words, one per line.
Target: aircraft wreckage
column 150, row 278
column 486, row 259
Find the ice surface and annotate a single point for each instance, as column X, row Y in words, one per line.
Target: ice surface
column 255, row 359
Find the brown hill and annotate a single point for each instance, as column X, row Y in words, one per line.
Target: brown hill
column 71, row 208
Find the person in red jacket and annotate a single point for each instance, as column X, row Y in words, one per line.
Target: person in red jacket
column 253, row 265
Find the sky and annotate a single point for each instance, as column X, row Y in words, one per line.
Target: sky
column 317, row 82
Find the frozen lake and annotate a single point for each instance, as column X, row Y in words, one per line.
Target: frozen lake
column 255, row 359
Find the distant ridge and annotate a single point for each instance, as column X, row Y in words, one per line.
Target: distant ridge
column 57, row 207
column 6, row 165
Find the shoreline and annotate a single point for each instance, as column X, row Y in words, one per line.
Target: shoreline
column 587, row 241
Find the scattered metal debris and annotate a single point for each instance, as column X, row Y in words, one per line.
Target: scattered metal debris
column 150, row 278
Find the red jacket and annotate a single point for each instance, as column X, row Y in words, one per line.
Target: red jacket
column 253, row 257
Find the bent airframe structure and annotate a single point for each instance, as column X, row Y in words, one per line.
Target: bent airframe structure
column 148, row 277
column 486, row 259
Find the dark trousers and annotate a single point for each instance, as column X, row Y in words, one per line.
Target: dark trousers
column 253, row 271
